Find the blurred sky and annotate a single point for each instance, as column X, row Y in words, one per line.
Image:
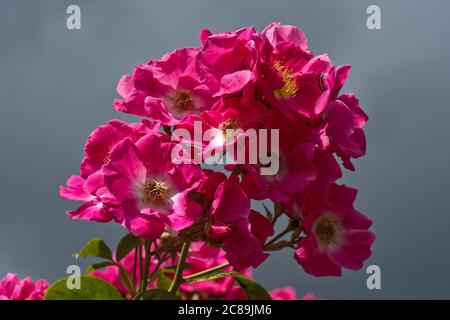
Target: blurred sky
column 57, row 85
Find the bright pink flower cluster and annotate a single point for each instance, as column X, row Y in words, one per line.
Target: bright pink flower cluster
column 235, row 80
column 12, row 288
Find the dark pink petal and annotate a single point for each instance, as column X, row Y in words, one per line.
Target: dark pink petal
column 147, row 227
column 156, row 109
column 125, row 170
column 341, row 198
column 12, row 288
column 133, row 103
column 354, row 250
column 230, row 204
column 94, row 182
column 185, row 212
column 277, row 33
column 91, row 211
column 242, row 248
column 226, row 61
column 74, row 190
column 313, row 260
column 287, row 293
column 300, row 169
column 234, row 82
column 219, row 232
column 344, row 132
column 204, row 34
column 356, row 220
column 341, row 75
column 260, row 227
column 359, row 116
column 157, row 163
column 125, row 85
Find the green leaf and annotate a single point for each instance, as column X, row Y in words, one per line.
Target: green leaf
column 156, row 294
column 97, row 266
column 126, row 244
column 253, row 290
column 91, row 288
column 96, row 247
column 163, row 282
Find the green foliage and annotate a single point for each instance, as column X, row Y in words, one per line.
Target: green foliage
column 91, row 288
column 97, row 266
column 163, row 282
column 253, row 290
column 95, row 247
column 126, row 244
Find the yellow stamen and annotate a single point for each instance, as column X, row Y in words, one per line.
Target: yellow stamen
column 290, row 87
column 106, row 159
column 183, row 100
column 327, row 230
column 155, row 192
column 230, row 124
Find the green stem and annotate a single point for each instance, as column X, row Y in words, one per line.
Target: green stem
column 206, row 272
column 281, row 235
column 164, row 248
column 275, row 218
column 144, row 280
column 141, row 267
column 130, row 286
column 154, row 273
column 135, row 265
column 178, row 278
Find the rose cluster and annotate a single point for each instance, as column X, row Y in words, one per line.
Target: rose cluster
column 12, row 288
column 239, row 80
column 235, row 80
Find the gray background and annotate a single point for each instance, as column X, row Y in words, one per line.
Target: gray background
column 58, row 85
